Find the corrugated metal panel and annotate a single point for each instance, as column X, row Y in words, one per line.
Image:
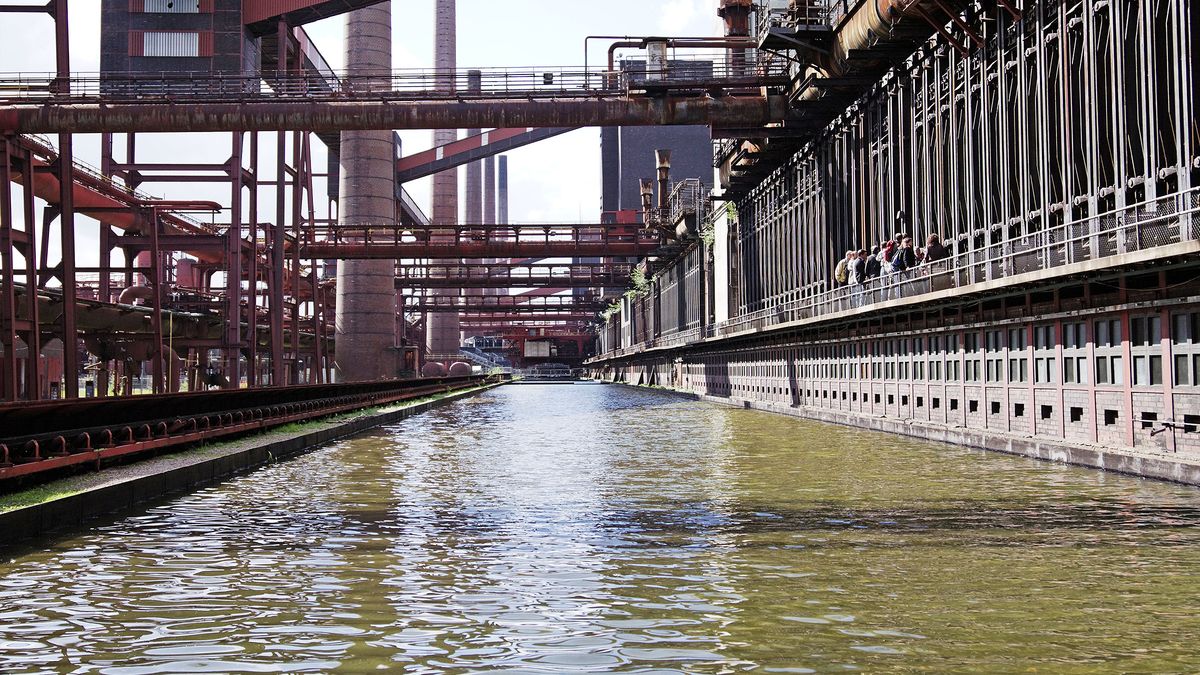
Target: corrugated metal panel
column 171, row 6
column 206, row 43
column 137, row 44
column 163, row 43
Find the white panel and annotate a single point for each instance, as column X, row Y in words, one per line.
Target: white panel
column 171, row 44
column 173, row 6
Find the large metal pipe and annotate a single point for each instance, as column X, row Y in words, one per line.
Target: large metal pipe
column 365, row 324
column 724, row 111
column 870, row 23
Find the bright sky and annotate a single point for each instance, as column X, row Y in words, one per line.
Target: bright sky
column 557, row 179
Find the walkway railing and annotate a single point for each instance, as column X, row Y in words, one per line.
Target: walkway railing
column 1138, row 227
column 401, row 85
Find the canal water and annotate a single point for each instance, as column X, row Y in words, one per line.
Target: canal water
column 591, row 528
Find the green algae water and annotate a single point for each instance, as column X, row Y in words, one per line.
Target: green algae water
column 593, row 528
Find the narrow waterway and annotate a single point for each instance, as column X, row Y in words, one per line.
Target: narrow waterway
column 553, row 528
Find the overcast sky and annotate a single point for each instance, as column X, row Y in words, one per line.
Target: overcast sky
column 555, row 180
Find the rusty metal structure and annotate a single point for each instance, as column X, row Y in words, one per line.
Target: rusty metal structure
column 1050, row 147
column 209, row 293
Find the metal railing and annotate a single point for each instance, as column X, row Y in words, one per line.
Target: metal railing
column 386, row 234
column 688, row 198
column 1137, row 227
column 411, row 84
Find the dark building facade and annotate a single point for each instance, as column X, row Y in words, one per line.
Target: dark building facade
column 627, row 153
column 176, row 36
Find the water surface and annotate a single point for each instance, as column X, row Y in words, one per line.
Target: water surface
column 557, row 528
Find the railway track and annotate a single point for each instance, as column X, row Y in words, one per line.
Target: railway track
column 42, row 437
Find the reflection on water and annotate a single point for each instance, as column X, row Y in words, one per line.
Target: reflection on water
column 565, row 528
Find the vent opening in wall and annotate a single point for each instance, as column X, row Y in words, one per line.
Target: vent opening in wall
column 1111, row 417
column 1018, row 410
column 877, row 398
column 954, row 404
column 1148, row 420
column 891, row 399
column 995, row 407
column 1076, row 414
column 920, row 401
column 1191, row 424
column 1047, row 412
column 973, row 406
column 937, row 403
column 854, row 397
column 843, row 396
column 903, row 400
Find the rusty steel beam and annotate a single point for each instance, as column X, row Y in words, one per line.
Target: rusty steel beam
column 469, row 149
column 539, row 281
column 319, row 116
column 565, row 249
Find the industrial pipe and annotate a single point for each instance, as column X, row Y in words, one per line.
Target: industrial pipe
column 319, row 116
column 870, row 23
column 662, row 158
column 676, row 43
column 143, row 293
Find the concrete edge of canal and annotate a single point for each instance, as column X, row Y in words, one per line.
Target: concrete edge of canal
column 1116, row 460
column 245, row 455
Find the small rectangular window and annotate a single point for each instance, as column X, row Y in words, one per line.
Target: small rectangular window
column 1018, row 410
column 1047, row 412
column 954, row 404
column 903, row 400
column 937, row 403
column 1111, row 417
column 995, row 407
column 973, row 406
column 920, row 401
column 1076, row 414
column 1191, row 424
column 1148, row 420
column 891, row 399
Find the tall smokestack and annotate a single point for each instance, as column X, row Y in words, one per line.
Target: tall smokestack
column 441, row 328
column 489, row 190
column 365, row 319
column 502, row 200
column 736, row 14
column 473, row 213
column 489, row 208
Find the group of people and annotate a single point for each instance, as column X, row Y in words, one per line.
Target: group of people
column 893, row 256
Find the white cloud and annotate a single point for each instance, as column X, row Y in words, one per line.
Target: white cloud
column 682, row 17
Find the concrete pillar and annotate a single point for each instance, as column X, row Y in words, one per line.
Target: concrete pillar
column 441, row 328
column 366, row 295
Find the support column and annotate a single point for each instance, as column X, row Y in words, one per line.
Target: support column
column 365, row 321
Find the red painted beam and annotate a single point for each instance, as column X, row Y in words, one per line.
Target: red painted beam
column 296, row 12
column 469, row 149
column 346, row 251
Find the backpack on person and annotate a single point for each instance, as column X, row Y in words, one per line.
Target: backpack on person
column 842, row 272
